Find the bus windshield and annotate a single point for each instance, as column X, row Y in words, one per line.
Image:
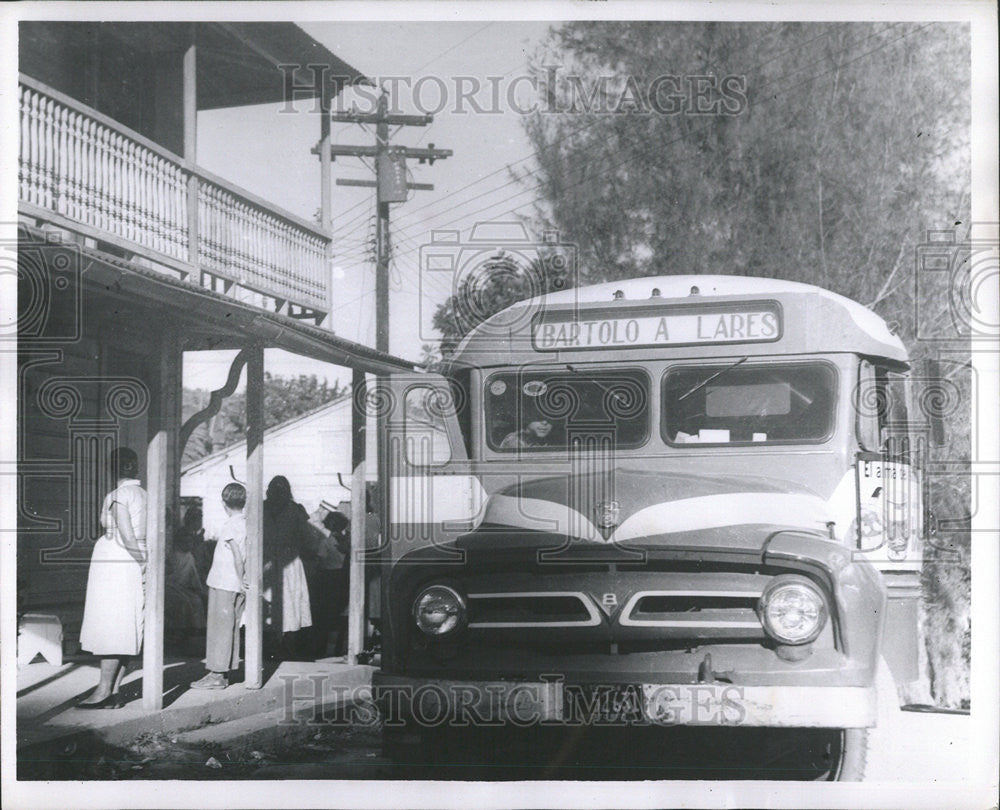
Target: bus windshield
column 749, row 403
column 560, row 409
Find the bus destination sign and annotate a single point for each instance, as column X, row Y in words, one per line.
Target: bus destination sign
column 749, row 323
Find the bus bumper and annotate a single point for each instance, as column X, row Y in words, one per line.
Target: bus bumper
column 436, row 702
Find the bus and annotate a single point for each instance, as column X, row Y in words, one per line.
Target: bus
column 683, row 501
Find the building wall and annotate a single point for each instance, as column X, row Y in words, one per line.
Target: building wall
column 142, row 90
column 309, row 452
column 83, row 388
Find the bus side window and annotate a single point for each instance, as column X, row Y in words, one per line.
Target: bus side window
column 893, row 419
column 866, row 409
column 426, row 434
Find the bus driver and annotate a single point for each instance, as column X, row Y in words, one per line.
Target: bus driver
column 536, row 434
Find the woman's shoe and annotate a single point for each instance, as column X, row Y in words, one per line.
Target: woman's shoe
column 110, row 702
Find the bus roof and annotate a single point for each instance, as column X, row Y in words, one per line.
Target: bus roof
column 812, row 320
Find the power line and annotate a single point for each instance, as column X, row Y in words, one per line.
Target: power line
column 595, row 121
column 658, row 145
column 453, row 47
column 391, row 185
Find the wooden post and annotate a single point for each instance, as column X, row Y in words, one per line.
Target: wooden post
column 191, row 98
column 325, row 163
column 356, row 594
column 255, row 518
column 326, row 191
column 381, row 235
column 191, row 144
column 161, row 472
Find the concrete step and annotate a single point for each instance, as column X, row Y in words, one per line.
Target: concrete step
column 296, row 690
column 294, row 721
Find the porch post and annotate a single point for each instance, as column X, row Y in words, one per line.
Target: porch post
column 162, row 472
column 325, row 190
column 325, row 162
column 255, row 518
column 356, row 593
column 190, row 96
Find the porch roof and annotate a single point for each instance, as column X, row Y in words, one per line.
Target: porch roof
column 237, row 61
column 223, row 322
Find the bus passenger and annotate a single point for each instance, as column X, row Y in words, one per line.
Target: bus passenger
column 536, row 434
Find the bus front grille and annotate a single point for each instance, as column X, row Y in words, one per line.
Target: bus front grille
column 531, row 609
column 701, row 614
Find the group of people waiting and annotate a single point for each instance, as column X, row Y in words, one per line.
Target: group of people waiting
column 302, row 608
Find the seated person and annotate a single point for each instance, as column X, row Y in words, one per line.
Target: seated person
column 536, row 434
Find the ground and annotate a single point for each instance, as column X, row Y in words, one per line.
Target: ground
column 921, row 747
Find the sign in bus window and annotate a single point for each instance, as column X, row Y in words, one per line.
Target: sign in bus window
column 749, row 404
column 560, row 410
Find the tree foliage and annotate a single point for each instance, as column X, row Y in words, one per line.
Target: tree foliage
column 852, row 143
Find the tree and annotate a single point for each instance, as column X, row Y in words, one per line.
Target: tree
column 844, row 152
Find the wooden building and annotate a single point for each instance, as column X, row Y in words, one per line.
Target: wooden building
column 129, row 254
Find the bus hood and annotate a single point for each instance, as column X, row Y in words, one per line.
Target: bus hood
column 630, row 506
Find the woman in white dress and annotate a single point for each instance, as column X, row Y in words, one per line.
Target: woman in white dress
column 287, row 536
column 113, row 611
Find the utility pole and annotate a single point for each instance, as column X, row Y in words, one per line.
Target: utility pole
column 390, row 187
column 382, row 230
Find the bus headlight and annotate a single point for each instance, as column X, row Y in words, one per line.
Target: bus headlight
column 439, row 610
column 792, row 610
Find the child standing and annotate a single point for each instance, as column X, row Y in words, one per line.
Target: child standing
column 226, row 593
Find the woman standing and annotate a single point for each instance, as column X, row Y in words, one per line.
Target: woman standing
column 286, row 593
column 113, row 610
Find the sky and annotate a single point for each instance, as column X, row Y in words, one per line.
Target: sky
column 475, row 184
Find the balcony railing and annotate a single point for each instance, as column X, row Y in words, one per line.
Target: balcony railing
column 86, row 172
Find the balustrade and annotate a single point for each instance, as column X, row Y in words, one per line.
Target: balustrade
column 86, row 169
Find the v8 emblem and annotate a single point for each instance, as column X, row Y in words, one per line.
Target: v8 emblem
column 609, row 602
